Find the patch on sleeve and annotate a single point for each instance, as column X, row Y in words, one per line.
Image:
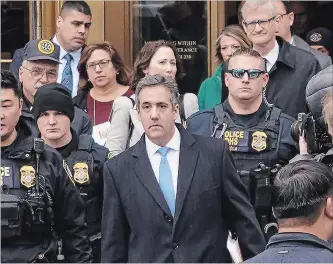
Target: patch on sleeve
column 68, row 171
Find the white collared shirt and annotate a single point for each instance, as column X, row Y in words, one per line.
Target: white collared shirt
column 292, row 41
column 172, row 156
column 76, row 54
column 272, row 56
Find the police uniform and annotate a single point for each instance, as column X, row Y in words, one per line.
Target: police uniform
column 86, row 159
column 260, row 138
column 34, row 216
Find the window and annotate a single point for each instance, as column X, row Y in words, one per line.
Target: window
column 184, row 23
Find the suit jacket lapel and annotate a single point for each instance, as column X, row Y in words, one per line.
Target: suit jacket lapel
column 187, row 162
column 145, row 173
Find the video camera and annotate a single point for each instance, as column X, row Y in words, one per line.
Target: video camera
column 316, row 136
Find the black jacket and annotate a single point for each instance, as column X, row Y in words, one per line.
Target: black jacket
column 288, row 78
column 295, row 248
column 81, row 123
column 83, row 149
column 68, row 207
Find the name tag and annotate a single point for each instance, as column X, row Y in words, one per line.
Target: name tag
column 7, row 176
column 246, row 141
column 100, row 133
column 238, row 140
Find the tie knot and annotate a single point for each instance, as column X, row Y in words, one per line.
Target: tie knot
column 68, row 57
column 163, row 151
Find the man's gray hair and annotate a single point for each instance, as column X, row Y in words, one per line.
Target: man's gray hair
column 154, row 80
column 254, row 4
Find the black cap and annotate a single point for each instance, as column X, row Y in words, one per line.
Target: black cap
column 42, row 49
column 53, row 96
column 321, row 37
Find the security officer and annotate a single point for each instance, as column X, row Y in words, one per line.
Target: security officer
column 54, row 110
column 39, row 202
column 40, row 66
column 257, row 133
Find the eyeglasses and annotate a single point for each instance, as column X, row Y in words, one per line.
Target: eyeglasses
column 39, row 73
column 102, row 64
column 282, row 15
column 252, row 73
column 262, row 23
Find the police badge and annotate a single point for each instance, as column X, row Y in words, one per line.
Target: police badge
column 81, row 174
column 28, row 176
column 259, row 139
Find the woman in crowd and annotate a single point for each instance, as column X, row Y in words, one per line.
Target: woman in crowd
column 106, row 79
column 211, row 91
column 157, row 57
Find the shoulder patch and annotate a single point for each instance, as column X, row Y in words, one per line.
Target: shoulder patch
column 110, row 155
column 68, row 171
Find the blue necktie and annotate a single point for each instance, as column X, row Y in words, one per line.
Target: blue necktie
column 165, row 180
column 67, row 75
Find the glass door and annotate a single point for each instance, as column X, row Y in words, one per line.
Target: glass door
column 182, row 22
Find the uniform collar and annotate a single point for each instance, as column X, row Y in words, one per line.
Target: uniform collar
column 281, row 238
column 65, row 151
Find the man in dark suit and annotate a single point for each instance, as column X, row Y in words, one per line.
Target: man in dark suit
column 303, row 207
column 73, row 26
column 173, row 196
column 289, row 68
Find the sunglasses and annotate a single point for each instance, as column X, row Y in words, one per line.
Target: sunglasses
column 252, row 73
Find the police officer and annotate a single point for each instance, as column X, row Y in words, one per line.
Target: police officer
column 303, row 206
column 257, row 133
column 54, row 111
column 39, row 67
column 39, row 202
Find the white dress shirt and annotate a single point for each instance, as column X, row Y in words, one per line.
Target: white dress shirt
column 272, row 56
column 75, row 61
column 172, row 157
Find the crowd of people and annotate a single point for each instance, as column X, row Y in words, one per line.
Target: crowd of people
column 102, row 162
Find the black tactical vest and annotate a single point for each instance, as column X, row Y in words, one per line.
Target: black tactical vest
column 250, row 146
column 81, row 164
column 34, row 217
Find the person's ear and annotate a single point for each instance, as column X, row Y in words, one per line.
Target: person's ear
column 265, row 79
column 20, row 106
column 176, row 111
column 21, row 74
column 291, row 17
column 226, row 79
column 329, row 207
column 59, row 21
